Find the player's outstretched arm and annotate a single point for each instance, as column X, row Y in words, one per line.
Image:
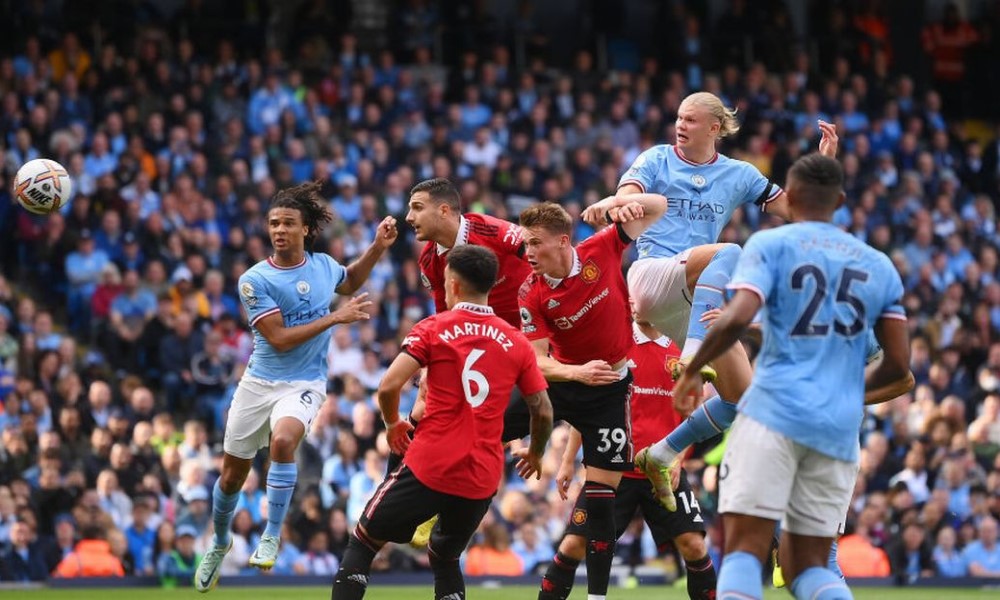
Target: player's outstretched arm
column 891, row 378
column 359, row 270
column 725, row 332
column 397, row 430
column 530, row 458
column 634, row 212
column 283, row 339
column 828, row 145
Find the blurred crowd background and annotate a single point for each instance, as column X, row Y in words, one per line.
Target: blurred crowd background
column 121, row 337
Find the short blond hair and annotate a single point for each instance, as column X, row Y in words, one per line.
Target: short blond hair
column 729, row 124
column 549, row 216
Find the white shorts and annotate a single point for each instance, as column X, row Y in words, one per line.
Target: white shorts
column 257, row 406
column 765, row 474
column 658, row 288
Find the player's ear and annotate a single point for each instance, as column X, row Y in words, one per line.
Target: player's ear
column 841, row 198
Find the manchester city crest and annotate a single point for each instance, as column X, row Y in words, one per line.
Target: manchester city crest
column 698, row 180
column 302, row 287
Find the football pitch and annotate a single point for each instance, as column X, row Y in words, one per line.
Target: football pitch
column 388, row 592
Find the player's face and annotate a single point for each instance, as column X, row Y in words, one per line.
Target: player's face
column 697, row 128
column 286, row 229
column 423, row 216
column 544, row 249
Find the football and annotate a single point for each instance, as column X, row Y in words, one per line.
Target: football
column 42, row 186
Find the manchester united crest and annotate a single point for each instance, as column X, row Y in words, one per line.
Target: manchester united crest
column 589, row 273
column 579, row 516
column 671, row 363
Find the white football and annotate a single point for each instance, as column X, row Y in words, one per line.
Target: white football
column 42, row 186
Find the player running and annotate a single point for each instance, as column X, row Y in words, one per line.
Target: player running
column 682, row 271
column 452, row 469
column 821, row 289
column 574, row 309
column 653, row 416
column 287, row 298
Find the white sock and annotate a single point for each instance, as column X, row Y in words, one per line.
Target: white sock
column 596, row 597
column 662, row 452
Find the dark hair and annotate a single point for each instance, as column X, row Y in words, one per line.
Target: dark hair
column 440, row 191
column 822, row 176
column 306, row 199
column 548, row 216
column 475, row 265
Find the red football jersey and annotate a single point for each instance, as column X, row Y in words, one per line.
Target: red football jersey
column 504, row 239
column 474, row 359
column 653, row 413
column 586, row 315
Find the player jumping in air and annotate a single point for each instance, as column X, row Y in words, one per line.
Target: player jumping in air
column 821, row 290
column 574, row 309
column 452, row 469
column 682, row 270
column 653, row 416
column 287, row 298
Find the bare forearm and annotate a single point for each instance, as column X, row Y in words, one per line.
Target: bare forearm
column 573, row 443
column 540, row 408
column 359, row 270
column 882, row 387
column 553, row 370
column 286, row 338
column 388, row 403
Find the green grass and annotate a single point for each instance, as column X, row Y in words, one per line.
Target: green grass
column 385, row 592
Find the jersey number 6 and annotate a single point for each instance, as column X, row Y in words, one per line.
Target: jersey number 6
column 470, row 376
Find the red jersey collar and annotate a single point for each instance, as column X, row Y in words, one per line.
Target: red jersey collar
column 575, row 270
column 461, row 239
column 681, row 156
column 473, row 307
column 270, row 261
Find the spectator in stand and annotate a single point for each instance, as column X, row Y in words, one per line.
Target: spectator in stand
column 982, row 557
column 180, row 562
column 91, row 557
column 177, row 350
column 23, row 560
column 493, row 556
column 910, row 556
column 317, row 559
column 948, row 561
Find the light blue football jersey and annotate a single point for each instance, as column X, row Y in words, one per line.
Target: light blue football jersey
column 823, row 290
column 300, row 294
column 701, row 198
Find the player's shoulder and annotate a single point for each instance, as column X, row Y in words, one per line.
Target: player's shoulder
column 485, row 225
column 529, row 284
column 258, row 272
column 655, row 151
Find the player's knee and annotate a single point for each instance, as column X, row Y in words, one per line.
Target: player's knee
column 727, row 255
column 573, row 546
column 230, row 483
column 283, row 446
column 691, row 546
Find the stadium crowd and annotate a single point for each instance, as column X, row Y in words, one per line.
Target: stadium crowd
column 121, row 337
